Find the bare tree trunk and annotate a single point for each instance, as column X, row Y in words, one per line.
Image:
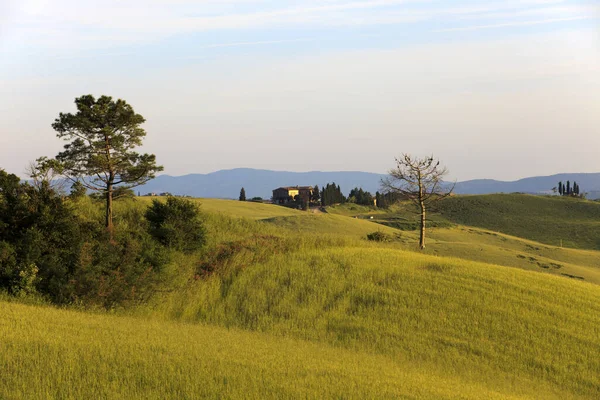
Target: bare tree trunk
column 422, row 207
column 422, row 236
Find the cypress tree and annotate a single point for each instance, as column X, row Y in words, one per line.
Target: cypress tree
column 316, row 196
column 243, row 195
column 568, row 188
column 560, row 188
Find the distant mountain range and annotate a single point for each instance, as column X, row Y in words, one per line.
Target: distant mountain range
column 260, row 183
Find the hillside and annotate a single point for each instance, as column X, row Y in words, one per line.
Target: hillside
column 357, row 319
column 227, row 183
column 590, row 182
column 547, row 219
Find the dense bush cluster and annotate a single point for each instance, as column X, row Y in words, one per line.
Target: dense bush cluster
column 47, row 248
column 175, row 224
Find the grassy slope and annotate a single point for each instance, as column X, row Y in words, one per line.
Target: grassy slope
column 492, row 324
column 541, row 218
column 244, row 209
column 335, row 304
column 491, row 246
column 49, row 353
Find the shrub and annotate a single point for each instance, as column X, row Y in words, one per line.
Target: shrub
column 40, row 236
column 176, row 224
column 379, row 237
column 48, row 248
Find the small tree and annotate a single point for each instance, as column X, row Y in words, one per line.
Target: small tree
column 316, row 195
column 568, row 191
column 560, row 188
column 102, row 136
column 243, row 194
column 420, row 181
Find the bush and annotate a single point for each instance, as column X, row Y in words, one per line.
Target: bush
column 48, row 248
column 379, row 237
column 176, row 224
column 41, row 239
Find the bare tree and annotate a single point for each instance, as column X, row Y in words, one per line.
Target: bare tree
column 419, row 180
column 46, row 172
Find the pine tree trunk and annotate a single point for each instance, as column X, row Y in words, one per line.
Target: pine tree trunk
column 109, row 209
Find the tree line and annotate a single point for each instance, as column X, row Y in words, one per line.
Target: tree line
column 568, row 190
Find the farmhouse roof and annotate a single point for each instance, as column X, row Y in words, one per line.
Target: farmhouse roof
column 294, row 187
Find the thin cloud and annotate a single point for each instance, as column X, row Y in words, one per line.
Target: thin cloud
column 256, row 43
column 511, row 24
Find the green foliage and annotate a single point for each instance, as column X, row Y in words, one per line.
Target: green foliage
column 77, row 191
column 242, row 195
column 102, row 136
column 316, row 194
column 176, row 224
column 39, row 232
column 379, row 236
column 359, row 196
column 49, row 246
column 386, row 200
column 332, row 194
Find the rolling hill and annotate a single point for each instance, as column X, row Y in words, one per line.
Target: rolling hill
column 286, row 304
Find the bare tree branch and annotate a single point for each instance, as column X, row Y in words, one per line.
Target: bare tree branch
column 419, row 180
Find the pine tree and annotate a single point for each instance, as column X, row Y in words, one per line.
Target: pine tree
column 243, row 194
column 101, row 155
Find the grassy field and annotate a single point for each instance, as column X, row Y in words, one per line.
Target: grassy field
column 551, row 220
column 48, row 353
column 235, row 208
column 287, row 304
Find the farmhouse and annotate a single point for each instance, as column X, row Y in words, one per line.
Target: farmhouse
column 287, row 194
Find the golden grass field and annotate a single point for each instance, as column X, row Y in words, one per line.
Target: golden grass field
column 300, row 305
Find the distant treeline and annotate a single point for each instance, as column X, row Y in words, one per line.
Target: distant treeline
column 332, row 194
column 568, row 190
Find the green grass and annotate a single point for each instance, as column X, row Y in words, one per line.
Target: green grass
column 329, row 224
column 246, row 209
column 544, row 219
column 287, row 304
column 445, row 238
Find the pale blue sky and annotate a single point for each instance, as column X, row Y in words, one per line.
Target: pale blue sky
column 496, row 89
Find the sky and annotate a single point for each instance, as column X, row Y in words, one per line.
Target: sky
column 494, row 89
